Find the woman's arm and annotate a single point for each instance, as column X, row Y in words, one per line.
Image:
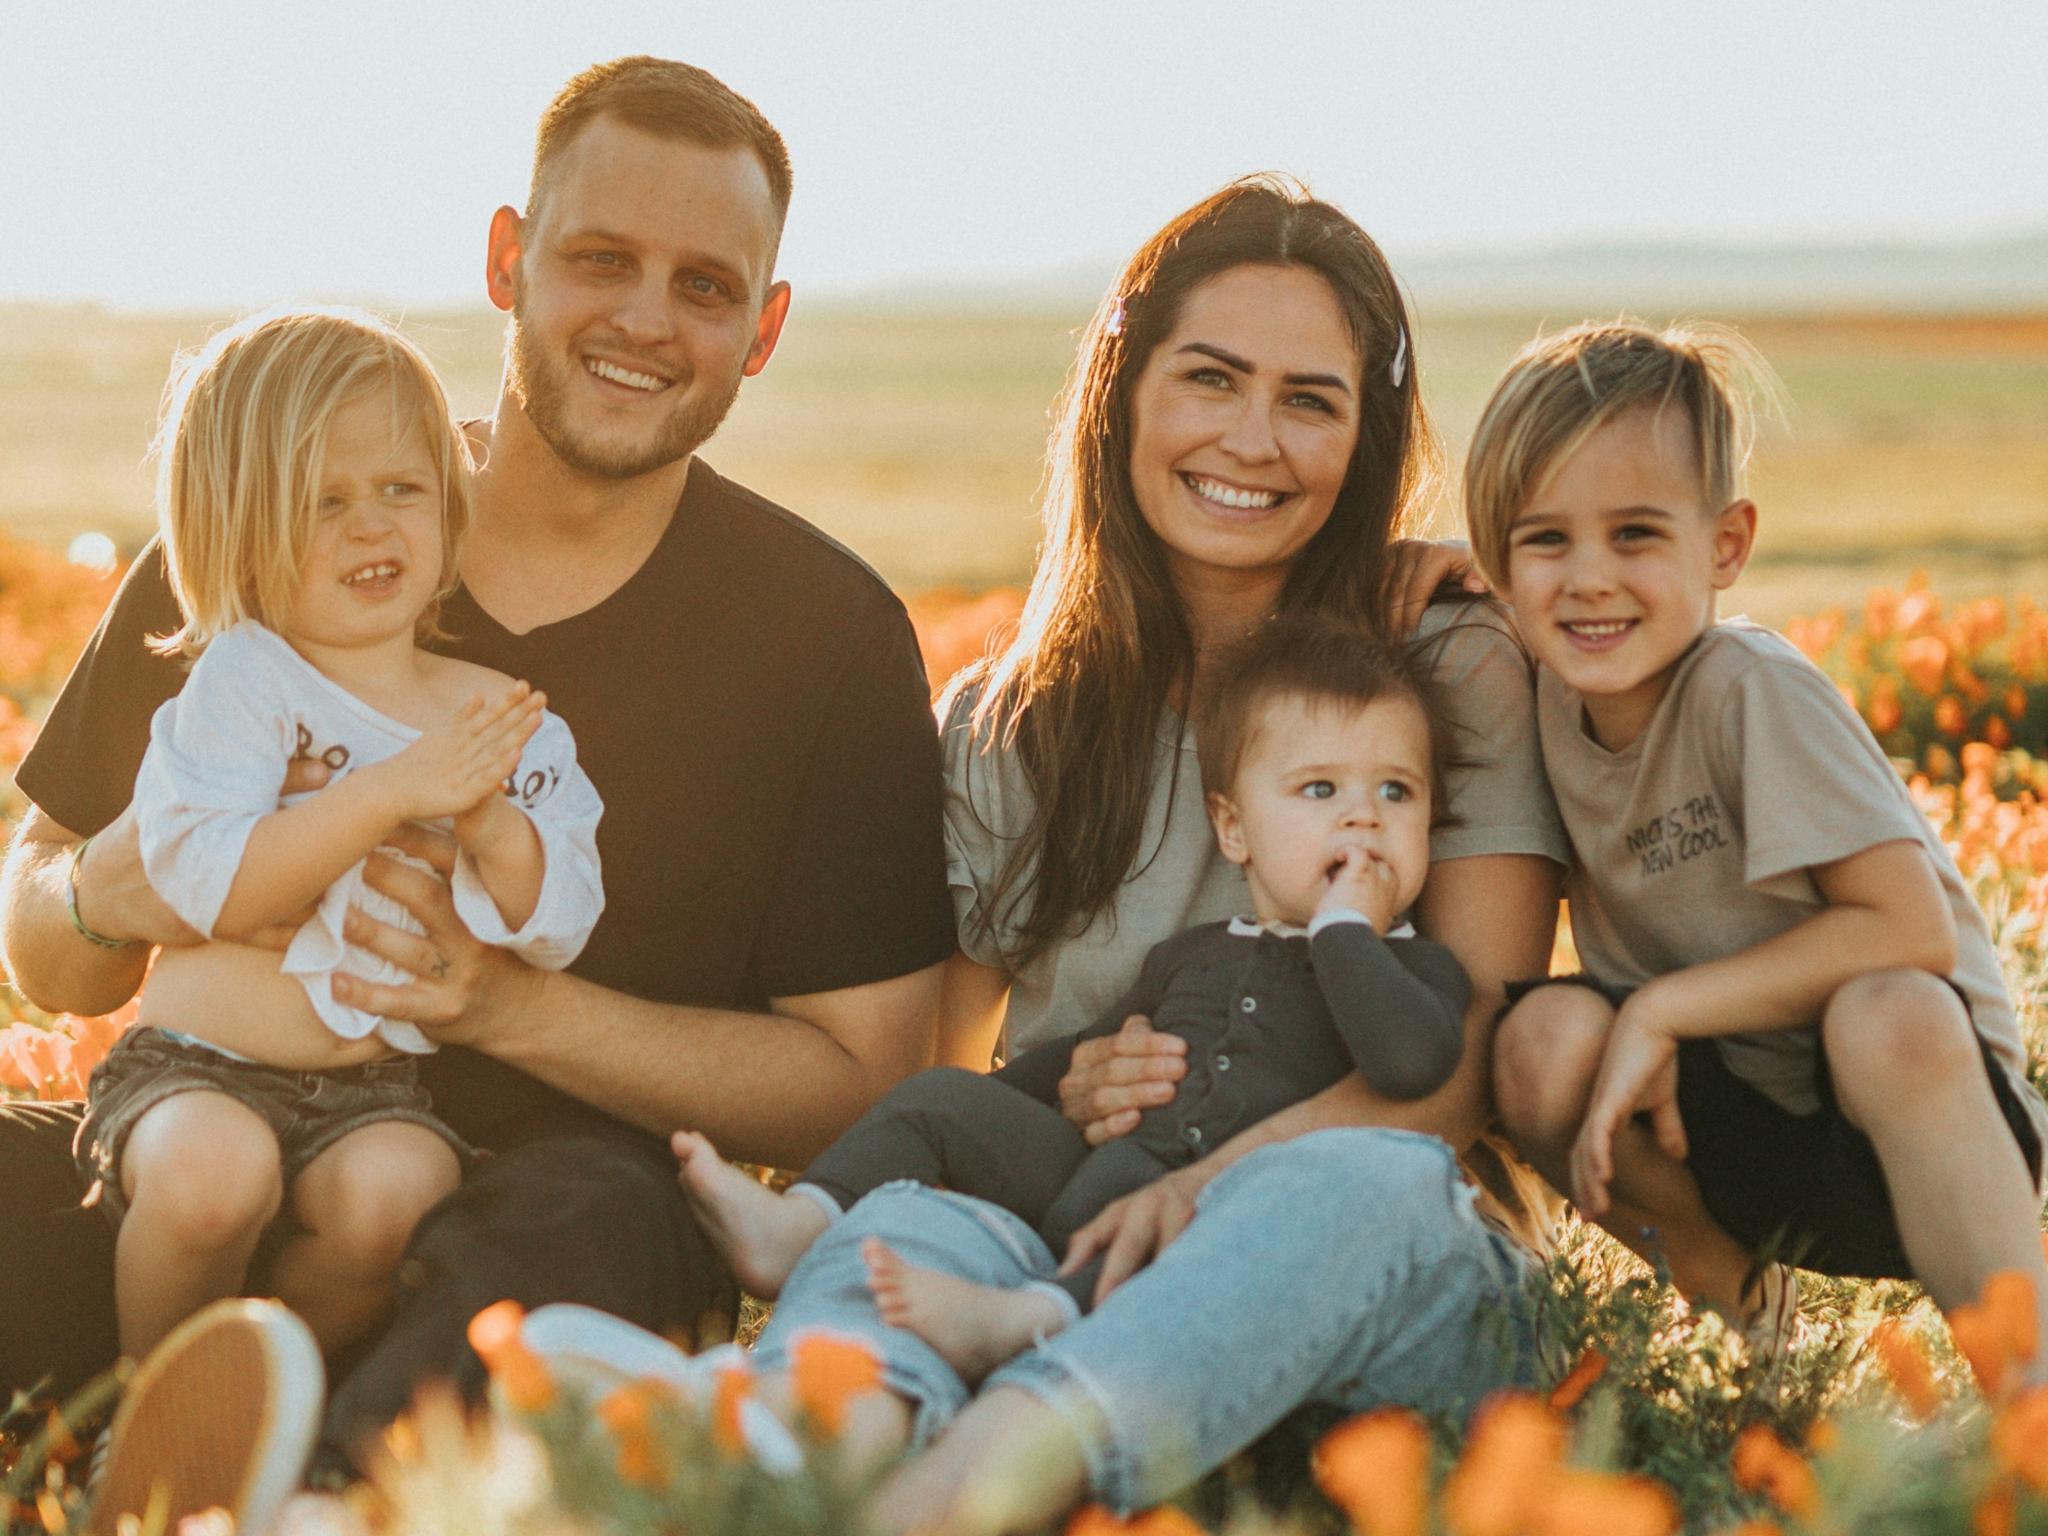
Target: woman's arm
column 1498, row 914
column 972, row 1000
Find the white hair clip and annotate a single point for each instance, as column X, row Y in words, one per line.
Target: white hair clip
column 1397, row 370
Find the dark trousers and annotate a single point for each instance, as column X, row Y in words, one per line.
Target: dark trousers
column 586, row 1210
column 967, row 1132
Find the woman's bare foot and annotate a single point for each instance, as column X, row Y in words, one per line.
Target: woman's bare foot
column 975, row 1328
column 760, row 1234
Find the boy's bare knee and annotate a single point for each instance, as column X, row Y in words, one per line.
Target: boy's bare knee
column 1545, row 1052
column 1893, row 1038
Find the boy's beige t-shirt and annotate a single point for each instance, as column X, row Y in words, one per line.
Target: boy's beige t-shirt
column 1500, row 799
column 1696, row 841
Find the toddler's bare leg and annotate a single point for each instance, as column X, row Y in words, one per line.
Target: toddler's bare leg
column 760, row 1234
column 1546, row 1055
column 975, row 1328
column 202, row 1180
column 1909, row 1074
column 359, row 1201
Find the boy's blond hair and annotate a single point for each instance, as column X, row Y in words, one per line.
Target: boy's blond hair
column 240, row 450
column 1562, row 388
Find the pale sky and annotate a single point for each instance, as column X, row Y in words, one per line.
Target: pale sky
column 238, row 152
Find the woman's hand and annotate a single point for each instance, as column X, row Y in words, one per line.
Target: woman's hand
column 1131, row 1232
column 1420, row 567
column 1110, row 1082
column 459, row 983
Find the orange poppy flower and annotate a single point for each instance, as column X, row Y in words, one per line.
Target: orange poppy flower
column 1516, row 1442
column 1924, row 660
column 1765, row 1464
column 520, row 1375
column 733, row 1386
column 2019, row 1438
column 1376, row 1469
column 1591, row 1367
column 1949, row 716
column 1906, row 1364
column 1997, row 1330
column 1575, row 1501
column 1997, row 1513
column 1094, row 1520
column 827, row 1372
column 628, row 1412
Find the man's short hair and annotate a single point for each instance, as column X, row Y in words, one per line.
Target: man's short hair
column 1562, row 388
column 1321, row 661
column 667, row 98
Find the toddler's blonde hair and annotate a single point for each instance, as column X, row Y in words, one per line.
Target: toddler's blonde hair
column 241, row 446
column 1562, row 388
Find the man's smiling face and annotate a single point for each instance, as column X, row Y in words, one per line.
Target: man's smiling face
column 641, row 291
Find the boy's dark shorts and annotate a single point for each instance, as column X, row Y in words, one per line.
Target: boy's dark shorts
column 308, row 1112
column 1807, row 1189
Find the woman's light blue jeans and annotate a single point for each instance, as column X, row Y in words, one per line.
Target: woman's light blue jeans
column 1343, row 1267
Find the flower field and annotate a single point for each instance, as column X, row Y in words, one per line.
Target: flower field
column 1652, row 1418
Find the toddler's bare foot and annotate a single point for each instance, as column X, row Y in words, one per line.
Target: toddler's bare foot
column 975, row 1328
column 760, row 1234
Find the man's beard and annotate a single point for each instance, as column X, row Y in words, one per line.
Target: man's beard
column 541, row 385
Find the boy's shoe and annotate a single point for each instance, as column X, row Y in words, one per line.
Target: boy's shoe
column 1772, row 1326
column 594, row 1352
column 221, row 1415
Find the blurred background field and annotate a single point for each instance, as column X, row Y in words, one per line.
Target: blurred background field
column 1914, row 439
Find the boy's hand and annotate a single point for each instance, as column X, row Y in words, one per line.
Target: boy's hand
column 455, row 767
column 1638, row 1075
column 1364, row 883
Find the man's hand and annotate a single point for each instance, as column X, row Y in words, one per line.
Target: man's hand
column 1638, row 1075
column 1131, row 1232
column 1423, row 565
column 1110, row 1082
column 1365, row 883
column 459, row 983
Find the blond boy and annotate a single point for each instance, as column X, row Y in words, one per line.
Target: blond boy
column 1792, row 1040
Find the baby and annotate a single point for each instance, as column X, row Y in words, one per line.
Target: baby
column 1322, row 758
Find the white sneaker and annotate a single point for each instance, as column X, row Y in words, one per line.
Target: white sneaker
column 596, row 1352
column 1771, row 1329
column 222, row 1415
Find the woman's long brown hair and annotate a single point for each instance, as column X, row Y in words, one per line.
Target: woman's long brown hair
column 1078, row 691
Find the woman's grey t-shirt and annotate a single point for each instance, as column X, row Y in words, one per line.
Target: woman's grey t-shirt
column 1498, row 796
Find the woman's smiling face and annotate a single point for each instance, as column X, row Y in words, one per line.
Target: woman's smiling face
column 1243, row 423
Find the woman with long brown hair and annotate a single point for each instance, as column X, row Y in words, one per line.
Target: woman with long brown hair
column 1243, row 436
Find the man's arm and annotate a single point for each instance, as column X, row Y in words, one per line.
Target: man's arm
column 770, row 1087
column 56, row 967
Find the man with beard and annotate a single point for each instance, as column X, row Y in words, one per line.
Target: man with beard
column 745, row 694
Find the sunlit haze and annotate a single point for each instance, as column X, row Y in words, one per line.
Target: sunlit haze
column 233, row 153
